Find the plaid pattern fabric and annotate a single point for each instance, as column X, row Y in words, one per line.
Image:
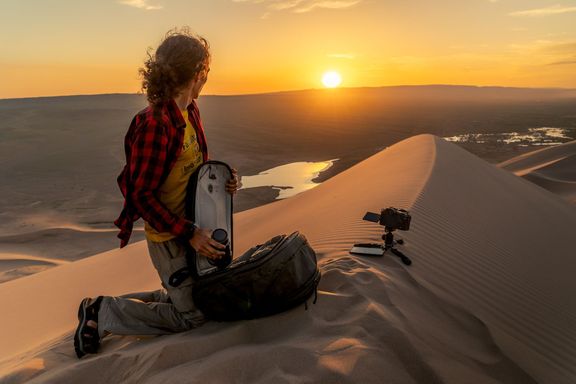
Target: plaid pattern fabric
column 152, row 145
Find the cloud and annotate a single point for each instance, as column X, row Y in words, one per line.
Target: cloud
column 549, row 52
column 553, row 10
column 142, row 4
column 301, row 6
column 564, row 62
column 334, row 4
column 563, row 48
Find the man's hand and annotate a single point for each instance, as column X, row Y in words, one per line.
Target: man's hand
column 203, row 243
column 233, row 184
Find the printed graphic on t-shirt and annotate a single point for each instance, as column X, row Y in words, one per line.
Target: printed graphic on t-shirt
column 191, row 162
column 189, row 141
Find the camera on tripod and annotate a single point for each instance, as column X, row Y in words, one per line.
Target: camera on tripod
column 391, row 219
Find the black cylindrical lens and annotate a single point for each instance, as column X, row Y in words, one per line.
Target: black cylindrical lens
column 221, row 236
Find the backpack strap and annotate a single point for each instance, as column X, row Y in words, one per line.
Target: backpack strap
column 183, row 273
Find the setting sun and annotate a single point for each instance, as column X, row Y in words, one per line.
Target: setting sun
column 331, row 79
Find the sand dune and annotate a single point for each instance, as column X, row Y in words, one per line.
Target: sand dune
column 488, row 298
column 13, row 266
column 552, row 168
column 62, row 243
column 28, row 253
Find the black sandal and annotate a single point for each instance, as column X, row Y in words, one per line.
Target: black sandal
column 86, row 338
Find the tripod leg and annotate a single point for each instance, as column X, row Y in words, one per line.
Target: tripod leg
column 402, row 256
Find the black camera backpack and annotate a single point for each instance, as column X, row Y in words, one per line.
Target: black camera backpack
column 268, row 278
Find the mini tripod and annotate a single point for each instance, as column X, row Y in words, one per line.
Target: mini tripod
column 372, row 249
column 389, row 242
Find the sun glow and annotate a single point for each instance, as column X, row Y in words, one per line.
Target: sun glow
column 331, row 79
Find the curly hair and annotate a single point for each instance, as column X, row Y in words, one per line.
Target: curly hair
column 178, row 59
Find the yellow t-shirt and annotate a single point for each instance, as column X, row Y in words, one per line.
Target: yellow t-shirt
column 173, row 192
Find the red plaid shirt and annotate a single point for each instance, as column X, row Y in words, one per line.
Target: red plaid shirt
column 152, row 144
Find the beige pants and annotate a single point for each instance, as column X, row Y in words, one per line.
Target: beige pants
column 164, row 311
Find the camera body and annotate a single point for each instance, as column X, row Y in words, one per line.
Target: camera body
column 391, row 218
column 395, row 218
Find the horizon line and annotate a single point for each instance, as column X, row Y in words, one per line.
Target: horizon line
column 300, row 90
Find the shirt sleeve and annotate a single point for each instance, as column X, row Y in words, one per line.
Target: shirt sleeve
column 148, row 160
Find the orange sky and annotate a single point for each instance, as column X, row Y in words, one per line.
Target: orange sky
column 65, row 47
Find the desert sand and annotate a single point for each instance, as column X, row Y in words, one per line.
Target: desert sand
column 552, row 168
column 488, row 298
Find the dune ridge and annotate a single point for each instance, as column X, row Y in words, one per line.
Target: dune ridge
column 467, row 310
column 27, row 253
column 13, row 266
column 518, row 251
column 552, row 168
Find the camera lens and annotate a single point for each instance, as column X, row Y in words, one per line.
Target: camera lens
column 221, row 236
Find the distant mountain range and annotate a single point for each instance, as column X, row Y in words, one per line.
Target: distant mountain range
column 431, row 90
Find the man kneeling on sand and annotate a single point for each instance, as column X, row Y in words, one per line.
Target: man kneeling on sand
column 164, row 145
